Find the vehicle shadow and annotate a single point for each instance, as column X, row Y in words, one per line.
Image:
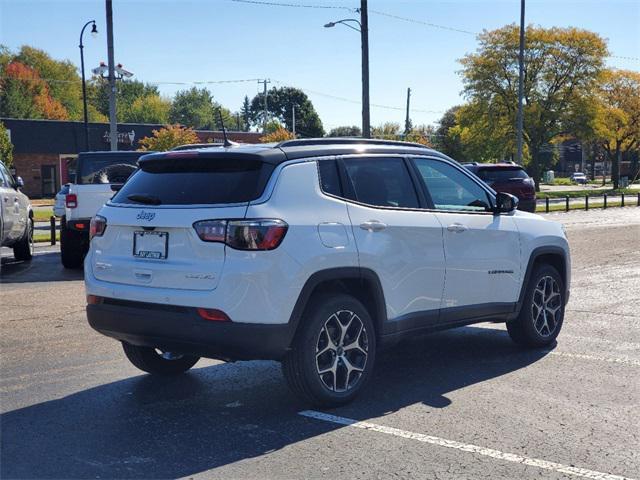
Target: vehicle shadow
column 43, row 267
column 145, row 427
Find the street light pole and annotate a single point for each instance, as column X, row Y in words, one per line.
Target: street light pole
column 363, row 28
column 520, row 85
column 113, row 126
column 364, row 33
column 94, row 30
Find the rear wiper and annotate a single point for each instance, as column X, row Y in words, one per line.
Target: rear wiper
column 144, row 198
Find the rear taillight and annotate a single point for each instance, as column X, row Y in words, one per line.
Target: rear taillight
column 71, row 200
column 257, row 234
column 97, row 227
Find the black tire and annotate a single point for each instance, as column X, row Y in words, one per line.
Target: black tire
column 23, row 250
column 318, row 326
column 535, row 326
column 72, row 249
column 149, row 360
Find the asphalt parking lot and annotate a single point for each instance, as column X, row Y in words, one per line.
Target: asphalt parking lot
column 465, row 403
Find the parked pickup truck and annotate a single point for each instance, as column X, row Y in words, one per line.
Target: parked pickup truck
column 98, row 176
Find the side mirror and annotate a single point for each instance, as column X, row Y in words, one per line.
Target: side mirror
column 19, row 182
column 505, row 203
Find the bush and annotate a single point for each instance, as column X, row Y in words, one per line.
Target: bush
column 168, row 137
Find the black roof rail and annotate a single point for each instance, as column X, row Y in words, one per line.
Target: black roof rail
column 303, row 142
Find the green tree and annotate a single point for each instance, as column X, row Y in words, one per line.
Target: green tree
column 345, row 131
column 193, row 108
column 61, row 77
column 149, row 109
column 6, row 147
column 617, row 124
column 245, row 112
column 562, row 66
column 127, row 92
column 168, row 137
column 482, row 133
column 280, row 103
column 23, row 94
column 445, row 139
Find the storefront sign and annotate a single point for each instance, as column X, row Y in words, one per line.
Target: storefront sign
column 124, row 138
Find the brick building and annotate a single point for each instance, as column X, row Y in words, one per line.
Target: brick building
column 43, row 150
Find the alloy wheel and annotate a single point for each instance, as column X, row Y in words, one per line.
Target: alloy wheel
column 546, row 306
column 341, row 351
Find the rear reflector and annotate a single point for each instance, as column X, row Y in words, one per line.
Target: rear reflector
column 71, row 200
column 213, row 315
column 94, row 300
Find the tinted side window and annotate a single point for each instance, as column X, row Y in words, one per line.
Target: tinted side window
column 383, row 182
column 329, row 178
column 450, row 189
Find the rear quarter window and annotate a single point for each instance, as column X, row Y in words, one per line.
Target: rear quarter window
column 196, row 181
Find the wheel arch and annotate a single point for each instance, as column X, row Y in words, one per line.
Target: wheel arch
column 550, row 255
column 362, row 283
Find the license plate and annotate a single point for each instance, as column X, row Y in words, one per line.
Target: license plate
column 150, row 244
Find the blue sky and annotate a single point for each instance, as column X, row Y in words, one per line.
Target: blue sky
column 197, row 40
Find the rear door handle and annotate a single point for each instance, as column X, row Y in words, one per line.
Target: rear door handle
column 457, row 227
column 373, row 226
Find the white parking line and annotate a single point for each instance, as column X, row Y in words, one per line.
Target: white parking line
column 624, row 361
column 441, row 442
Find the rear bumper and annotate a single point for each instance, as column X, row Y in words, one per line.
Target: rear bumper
column 182, row 330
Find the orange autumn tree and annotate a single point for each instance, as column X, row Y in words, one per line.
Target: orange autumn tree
column 168, row 137
column 26, row 95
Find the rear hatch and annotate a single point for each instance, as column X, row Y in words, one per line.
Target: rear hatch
column 150, row 237
column 96, row 172
column 513, row 180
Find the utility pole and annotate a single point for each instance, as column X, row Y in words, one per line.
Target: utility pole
column 293, row 115
column 407, row 121
column 264, row 119
column 364, row 36
column 520, row 85
column 113, row 126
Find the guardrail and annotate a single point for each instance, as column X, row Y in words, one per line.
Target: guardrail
column 586, row 202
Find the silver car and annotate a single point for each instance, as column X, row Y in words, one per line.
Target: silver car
column 16, row 216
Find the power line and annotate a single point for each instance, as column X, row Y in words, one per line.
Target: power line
column 195, row 82
column 351, row 100
column 420, row 22
column 294, row 5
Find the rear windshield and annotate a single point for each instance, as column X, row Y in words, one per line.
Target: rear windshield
column 105, row 168
column 196, row 182
column 501, row 174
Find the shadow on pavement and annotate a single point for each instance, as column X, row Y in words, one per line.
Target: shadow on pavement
column 147, row 427
column 43, row 267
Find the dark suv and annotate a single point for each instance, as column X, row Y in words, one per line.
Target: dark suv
column 508, row 178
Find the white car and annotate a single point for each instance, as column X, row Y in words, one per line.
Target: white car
column 579, row 177
column 315, row 253
column 16, row 216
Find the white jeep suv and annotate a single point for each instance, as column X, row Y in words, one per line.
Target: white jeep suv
column 315, row 253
